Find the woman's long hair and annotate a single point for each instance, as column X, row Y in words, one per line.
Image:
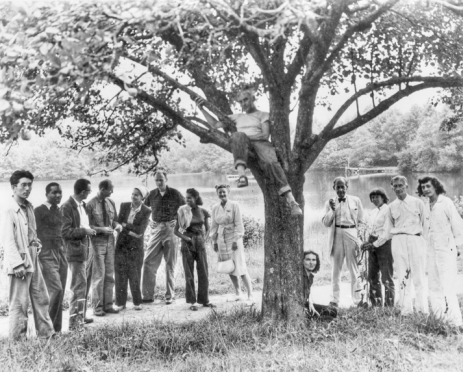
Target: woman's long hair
column 317, row 266
column 434, row 181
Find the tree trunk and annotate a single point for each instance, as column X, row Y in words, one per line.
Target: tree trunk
column 284, row 241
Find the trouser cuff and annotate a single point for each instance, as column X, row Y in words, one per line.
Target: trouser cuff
column 284, row 190
column 240, row 162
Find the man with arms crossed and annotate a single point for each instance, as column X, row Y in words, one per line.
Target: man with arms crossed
column 407, row 221
column 53, row 262
column 164, row 202
column 343, row 215
column 253, row 128
column 76, row 232
column 445, row 240
column 18, row 237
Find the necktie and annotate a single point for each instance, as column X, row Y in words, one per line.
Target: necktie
column 105, row 213
column 342, row 199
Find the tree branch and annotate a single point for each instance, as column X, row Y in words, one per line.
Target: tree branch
column 299, row 58
column 437, row 81
column 206, row 136
column 384, row 105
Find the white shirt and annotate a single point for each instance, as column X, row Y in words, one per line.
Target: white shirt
column 343, row 215
column 133, row 213
column 250, row 124
column 379, row 225
column 408, row 216
column 84, row 223
column 446, row 222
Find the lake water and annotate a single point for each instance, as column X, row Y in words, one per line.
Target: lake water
column 317, row 189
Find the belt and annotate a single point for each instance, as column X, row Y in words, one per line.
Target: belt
column 346, row 226
column 419, row 234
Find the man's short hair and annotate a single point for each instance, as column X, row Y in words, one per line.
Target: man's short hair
column 161, row 172
column 434, row 181
column 399, row 178
column 105, row 184
column 247, row 90
column 317, row 266
column 81, row 185
column 381, row 192
column 17, row 175
column 343, row 179
column 49, row 186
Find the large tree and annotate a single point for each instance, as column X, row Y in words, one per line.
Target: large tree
column 61, row 60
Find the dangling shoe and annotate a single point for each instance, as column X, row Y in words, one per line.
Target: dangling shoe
column 295, row 209
column 242, row 181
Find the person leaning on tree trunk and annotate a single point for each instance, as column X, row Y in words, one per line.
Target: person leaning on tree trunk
column 52, row 259
column 21, row 247
column 445, row 240
column 253, row 130
column 343, row 215
column 76, row 233
column 380, row 258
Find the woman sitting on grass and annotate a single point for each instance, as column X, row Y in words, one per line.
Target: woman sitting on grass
column 128, row 259
column 192, row 219
column 314, row 311
column 227, row 232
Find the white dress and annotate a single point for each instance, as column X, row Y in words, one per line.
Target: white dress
column 226, row 228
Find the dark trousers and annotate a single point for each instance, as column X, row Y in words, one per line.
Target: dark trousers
column 265, row 151
column 189, row 258
column 380, row 262
column 324, row 311
column 128, row 264
column 55, row 272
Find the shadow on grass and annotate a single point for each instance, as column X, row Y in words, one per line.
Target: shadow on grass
column 373, row 339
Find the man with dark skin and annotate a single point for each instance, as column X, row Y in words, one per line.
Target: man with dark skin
column 52, row 258
column 343, row 215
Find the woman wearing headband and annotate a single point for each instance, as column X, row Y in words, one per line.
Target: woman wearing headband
column 192, row 222
column 128, row 260
column 227, row 232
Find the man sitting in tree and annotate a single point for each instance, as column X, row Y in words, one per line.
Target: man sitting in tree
column 253, row 131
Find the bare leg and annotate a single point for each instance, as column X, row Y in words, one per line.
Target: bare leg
column 289, row 197
column 247, row 283
column 236, row 284
column 241, row 169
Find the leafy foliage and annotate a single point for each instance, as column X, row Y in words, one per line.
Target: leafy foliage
column 253, row 232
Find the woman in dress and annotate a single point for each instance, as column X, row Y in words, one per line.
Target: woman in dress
column 192, row 224
column 227, row 232
column 128, row 259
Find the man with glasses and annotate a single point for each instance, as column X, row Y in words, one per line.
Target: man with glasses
column 407, row 222
column 76, row 231
column 21, row 247
column 103, row 219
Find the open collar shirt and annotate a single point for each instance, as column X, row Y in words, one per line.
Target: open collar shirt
column 379, row 225
column 84, row 222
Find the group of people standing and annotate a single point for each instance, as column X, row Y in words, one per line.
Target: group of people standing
column 411, row 236
column 105, row 251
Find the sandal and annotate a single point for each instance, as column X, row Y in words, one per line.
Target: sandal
column 209, row 305
column 242, row 181
column 193, row 308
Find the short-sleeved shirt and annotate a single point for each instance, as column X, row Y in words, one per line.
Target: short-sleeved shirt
column 250, row 124
column 164, row 207
column 199, row 217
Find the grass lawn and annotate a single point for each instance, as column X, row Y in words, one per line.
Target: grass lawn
column 360, row 340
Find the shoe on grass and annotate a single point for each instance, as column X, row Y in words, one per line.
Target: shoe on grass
column 112, row 310
column 147, row 300
column 88, row 320
column 242, row 182
column 137, row 307
column 119, row 308
column 169, row 302
column 333, row 304
column 99, row 312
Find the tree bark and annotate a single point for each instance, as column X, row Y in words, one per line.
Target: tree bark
column 284, row 241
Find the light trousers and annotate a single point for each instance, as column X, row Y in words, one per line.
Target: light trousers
column 32, row 288
column 162, row 243
column 345, row 247
column 409, row 253
column 442, row 278
column 103, row 273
